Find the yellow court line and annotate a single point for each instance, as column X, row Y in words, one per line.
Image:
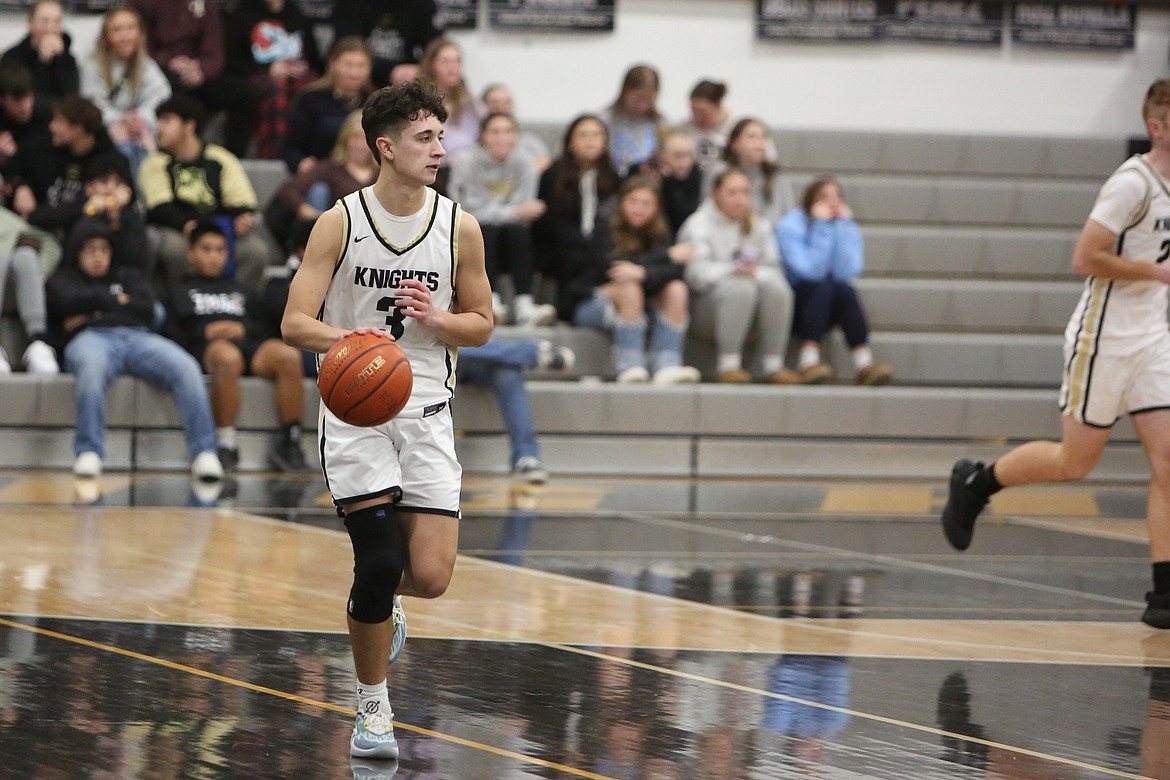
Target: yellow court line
column 299, row 699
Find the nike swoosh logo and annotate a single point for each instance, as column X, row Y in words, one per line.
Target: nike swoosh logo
column 362, row 238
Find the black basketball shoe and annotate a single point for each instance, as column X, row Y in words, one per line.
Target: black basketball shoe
column 964, row 503
column 1157, row 612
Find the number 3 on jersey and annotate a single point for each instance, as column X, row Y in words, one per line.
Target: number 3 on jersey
column 395, row 317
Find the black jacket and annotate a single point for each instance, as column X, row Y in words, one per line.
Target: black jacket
column 55, row 175
column 53, row 79
column 249, row 50
column 396, row 31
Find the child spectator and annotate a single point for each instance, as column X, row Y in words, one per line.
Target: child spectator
column 187, row 180
column 123, row 81
column 680, row 176
column 50, row 191
column 24, row 117
column 573, row 189
column 45, row 52
column 498, row 186
column 497, row 99
column 186, row 39
column 29, row 282
column 101, row 314
column 737, row 282
column 501, row 364
column 634, row 120
column 442, row 65
column 302, row 198
column 823, row 253
column 747, row 149
column 208, row 314
column 638, row 265
column 321, row 108
column 271, row 44
column 110, row 197
column 395, row 32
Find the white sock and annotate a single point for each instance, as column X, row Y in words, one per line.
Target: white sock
column 771, row 363
column 862, row 357
column 730, row 361
column 810, row 355
column 523, row 305
column 372, row 698
column 226, row 437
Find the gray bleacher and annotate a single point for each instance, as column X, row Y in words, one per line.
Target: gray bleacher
column 968, row 288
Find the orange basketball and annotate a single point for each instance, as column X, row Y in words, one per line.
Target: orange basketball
column 365, row 379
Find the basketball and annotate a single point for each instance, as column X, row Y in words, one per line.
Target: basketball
column 365, row 379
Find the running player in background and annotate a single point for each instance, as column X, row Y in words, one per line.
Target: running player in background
column 1116, row 355
column 400, row 260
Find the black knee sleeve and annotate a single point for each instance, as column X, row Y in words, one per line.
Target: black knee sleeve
column 377, row 562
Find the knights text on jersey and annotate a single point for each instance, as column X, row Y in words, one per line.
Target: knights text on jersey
column 379, row 251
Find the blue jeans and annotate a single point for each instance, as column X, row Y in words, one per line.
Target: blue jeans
column 501, row 364
column 97, row 356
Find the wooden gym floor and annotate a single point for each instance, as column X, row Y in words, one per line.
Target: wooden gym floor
column 594, row 628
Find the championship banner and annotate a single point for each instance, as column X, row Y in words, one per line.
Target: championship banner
column 1092, row 26
column 457, row 14
column 817, row 20
column 948, row 21
column 552, row 15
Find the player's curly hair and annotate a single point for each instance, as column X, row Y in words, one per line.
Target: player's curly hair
column 391, row 109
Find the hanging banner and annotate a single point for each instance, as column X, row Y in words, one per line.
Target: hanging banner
column 816, row 20
column 948, row 21
column 1086, row 25
column 579, row 15
column 457, row 14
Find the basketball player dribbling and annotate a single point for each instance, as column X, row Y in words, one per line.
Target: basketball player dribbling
column 400, row 260
column 1117, row 355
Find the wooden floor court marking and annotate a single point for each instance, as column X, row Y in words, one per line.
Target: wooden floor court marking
column 873, row 717
column 297, row 698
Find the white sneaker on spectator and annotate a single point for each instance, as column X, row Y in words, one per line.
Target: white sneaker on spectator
column 535, row 315
column 553, row 358
column 500, row 311
column 677, row 375
column 206, row 467
column 531, row 470
column 39, row 358
column 634, row 375
column 5, row 366
column 88, row 464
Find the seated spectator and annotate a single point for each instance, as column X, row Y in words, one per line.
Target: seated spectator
column 501, row 364
column 187, row 180
column 321, row 109
column 680, row 177
column 634, row 121
column 186, row 39
column 637, row 265
column 208, row 314
column 29, row 281
column 50, row 191
column 747, row 149
column 45, row 52
column 737, row 283
column 110, row 198
column 498, row 186
column 442, row 65
column 101, row 314
column 573, row 189
column 396, row 32
column 302, row 198
column 823, row 253
column 497, row 99
column 271, row 44
column 711, row 123
column 24, row 118
column 123, row 81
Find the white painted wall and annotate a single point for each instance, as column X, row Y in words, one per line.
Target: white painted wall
column 859, row 86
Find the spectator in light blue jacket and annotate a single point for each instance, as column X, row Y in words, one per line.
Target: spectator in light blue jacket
column 823, row 253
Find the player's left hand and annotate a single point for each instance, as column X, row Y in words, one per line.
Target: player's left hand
column 414, row 298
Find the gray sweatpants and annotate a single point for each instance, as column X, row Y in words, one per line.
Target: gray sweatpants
column 737, row 305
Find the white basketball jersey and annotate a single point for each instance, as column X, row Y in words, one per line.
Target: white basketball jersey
column 381, row 250
column 1134, row 203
